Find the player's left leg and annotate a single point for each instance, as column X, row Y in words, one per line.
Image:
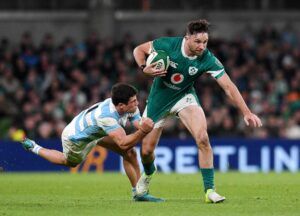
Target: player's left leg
column 51, row 155
column 194, row 119
column 71, row 156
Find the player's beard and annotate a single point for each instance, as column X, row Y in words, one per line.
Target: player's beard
column 197, row 52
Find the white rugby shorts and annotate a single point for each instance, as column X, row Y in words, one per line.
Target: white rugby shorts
column 73, row 152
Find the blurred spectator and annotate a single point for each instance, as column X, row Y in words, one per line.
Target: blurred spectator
column 16, row 134
column 293, row 130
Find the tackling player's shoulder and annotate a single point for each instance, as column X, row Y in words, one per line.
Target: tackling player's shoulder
column 107, row 110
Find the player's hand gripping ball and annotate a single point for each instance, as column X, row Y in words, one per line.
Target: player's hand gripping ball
column 161, row 59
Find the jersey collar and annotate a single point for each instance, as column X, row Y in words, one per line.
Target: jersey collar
column 183, row 52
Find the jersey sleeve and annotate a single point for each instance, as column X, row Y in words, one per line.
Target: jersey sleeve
column 163, row 43
column 108, row 124
column 215, row 68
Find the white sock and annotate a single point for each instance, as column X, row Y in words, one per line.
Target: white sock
column 133, row 191
column 36, row 149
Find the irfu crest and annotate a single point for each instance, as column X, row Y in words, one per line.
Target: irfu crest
column 193, row 70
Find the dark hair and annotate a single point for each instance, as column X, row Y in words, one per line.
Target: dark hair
column 121, row 93
column 197, row 26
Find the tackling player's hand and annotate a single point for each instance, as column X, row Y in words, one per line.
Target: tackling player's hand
column 252, row 120
column 150, row 70
column 146, row 125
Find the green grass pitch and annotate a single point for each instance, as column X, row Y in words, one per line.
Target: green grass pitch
column 110, row 194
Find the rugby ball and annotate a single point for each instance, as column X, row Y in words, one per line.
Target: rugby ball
column 161, row 58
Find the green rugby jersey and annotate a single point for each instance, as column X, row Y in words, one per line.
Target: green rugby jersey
column 182, row 73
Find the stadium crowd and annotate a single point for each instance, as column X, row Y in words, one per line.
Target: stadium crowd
column 42, row 87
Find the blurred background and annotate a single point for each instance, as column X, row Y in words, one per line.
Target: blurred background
column 59, row 57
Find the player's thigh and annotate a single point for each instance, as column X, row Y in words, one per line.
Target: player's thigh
column 108, row 143
column 72, row 152
column 76, row 153
column 194, row 120
column 151, row 139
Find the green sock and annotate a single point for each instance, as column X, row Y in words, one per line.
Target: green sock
column 149, row 168
column 208, row 178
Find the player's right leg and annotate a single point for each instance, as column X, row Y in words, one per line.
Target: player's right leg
column 51, row 155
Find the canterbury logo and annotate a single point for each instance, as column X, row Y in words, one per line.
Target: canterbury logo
column 173, row 64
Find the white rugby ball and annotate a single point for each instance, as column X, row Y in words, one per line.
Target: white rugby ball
column 161, row 58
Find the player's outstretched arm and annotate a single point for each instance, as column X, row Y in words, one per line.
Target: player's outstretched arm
column 235, row 96
column 126, row 142
column 140, row 54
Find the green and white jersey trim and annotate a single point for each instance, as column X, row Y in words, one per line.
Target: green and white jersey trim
column 216, row 74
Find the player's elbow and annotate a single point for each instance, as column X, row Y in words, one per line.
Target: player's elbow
column 124, row 146
column 228, row 92
column 136, row 52
column 231, row 91
column 228, row 89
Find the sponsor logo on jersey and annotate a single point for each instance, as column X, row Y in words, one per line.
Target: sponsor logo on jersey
column 172, row 86
column 173, row 64
column 193, row 70
column 177, row 78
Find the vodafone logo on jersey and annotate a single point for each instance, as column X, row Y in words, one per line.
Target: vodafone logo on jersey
column 177, row 78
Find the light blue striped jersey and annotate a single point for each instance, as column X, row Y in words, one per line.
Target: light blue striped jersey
column 97, row 121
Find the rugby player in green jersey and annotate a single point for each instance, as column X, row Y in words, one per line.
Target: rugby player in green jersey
column 172, row 92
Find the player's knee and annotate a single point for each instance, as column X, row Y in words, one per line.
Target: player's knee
column 202, row 140
column 129, row 154
column 132, row 153
column 72, row 164
column 147, row 150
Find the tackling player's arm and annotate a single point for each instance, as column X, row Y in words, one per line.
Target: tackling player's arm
column 235, row 96
column 126, row 142
column 136, row 124
column 140, row 54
